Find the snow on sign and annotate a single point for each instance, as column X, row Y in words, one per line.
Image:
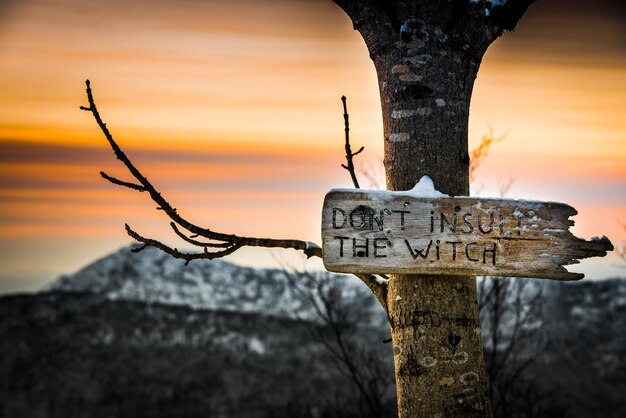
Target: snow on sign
column 422, row 231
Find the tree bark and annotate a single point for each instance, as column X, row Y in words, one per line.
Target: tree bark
column 427, row 56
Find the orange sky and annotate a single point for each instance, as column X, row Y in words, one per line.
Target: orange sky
column 232, row 109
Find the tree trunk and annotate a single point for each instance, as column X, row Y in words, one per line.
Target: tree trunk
column 427, row 56
column 435, row 328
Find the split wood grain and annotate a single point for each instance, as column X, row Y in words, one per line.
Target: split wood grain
column 395, row 232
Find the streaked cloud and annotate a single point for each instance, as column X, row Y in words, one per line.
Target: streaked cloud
column 232, row 109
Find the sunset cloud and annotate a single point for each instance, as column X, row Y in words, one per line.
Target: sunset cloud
column 232, row 109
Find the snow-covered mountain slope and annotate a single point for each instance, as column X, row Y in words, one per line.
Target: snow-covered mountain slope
column 153, row 276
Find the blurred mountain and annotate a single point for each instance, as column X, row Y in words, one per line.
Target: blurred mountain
column 152, row 276
column 83, row 355
column 142, row 335
column 155, row 277
column 586, row 358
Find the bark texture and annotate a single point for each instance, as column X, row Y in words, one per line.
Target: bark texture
column 427, row 55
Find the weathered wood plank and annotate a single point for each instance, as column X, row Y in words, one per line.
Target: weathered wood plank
column 398, row 232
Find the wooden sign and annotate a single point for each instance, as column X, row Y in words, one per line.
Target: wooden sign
column 407, row 232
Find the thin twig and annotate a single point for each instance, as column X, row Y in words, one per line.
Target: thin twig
column 349, row 153
column 229, row 242
column 196, row 242
column 377, row 286
column 119, row 182
column 174, row 252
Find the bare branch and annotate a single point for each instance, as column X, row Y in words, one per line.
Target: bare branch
column 222, row 244
column 342, row 316
column 479, row 153
column 178, row 254
column 349, row 153
column 229, row 242
column 196, row 242
column 119, row 182
column 138, row 249
column 378, row 286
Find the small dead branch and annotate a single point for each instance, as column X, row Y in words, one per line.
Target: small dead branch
column 505, row 185
column 374, row 173
column 378, row 285
column 343, row 320
column 349, row 153
column 479, row 153
column 224, row 243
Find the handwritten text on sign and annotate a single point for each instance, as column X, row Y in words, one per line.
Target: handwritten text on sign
column 395, row 232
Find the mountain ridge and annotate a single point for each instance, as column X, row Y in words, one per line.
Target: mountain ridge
column 143, row 335
column 153, row 276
